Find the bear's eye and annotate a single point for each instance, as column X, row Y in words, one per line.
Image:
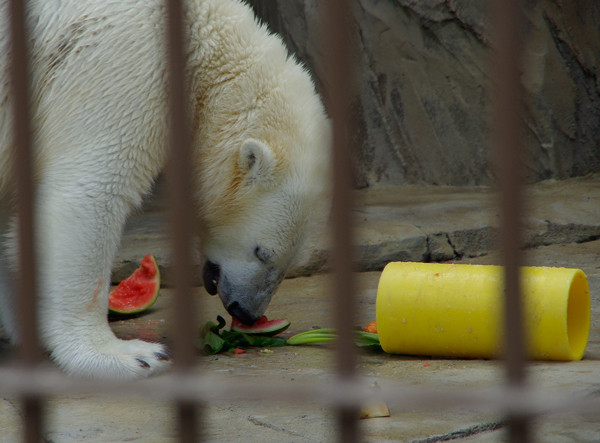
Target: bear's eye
column 263, row 255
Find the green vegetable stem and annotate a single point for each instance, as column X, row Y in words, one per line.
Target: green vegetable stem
column 312, row 336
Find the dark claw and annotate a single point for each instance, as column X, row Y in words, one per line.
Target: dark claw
column 162, row 356
column 142, row 363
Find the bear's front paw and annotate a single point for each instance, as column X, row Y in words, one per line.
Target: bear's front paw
column 151, row 358
column 118, row 359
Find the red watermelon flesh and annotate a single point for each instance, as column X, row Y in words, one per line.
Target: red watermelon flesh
column 263, row 326
column 138, row 291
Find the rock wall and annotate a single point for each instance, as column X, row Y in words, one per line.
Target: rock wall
column 424, row 104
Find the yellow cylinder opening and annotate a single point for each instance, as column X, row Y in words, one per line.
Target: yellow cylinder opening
column 578, row 315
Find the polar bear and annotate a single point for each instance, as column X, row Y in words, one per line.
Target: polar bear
column 260, row 160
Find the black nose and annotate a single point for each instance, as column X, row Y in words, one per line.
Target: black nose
column 211, row 274
column 241, row 314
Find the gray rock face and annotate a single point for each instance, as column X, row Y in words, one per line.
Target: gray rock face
column 424, row 97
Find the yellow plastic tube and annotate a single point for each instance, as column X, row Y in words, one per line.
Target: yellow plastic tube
column 456, row 310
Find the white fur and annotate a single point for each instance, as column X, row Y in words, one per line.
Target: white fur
column 99, row 118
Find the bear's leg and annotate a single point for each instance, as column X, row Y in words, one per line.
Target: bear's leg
column 80, row 220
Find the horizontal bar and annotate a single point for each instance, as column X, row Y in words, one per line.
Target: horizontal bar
column 334, row 392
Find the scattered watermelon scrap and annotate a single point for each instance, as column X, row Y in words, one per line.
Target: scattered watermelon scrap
column 137, row 292
column 214, row 338
column 263, row 326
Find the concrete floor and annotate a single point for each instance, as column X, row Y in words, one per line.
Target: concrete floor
column 564, row 230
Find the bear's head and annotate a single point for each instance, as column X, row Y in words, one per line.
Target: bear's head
column 263, row 162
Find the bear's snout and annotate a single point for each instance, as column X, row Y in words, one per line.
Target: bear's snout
column 245, row 291
column 241, row 314
column 211, row 275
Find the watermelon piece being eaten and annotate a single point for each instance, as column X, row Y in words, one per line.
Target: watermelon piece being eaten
column 263, row 326
column 138, row 291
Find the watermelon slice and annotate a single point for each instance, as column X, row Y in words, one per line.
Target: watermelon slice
column 138, row 291
column 263, row 326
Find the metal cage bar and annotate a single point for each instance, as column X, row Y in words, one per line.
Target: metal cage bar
column 341, row 88
column 181, row 219
column 28, row 350
column 507, row 148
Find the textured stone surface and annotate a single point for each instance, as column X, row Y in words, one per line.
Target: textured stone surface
column 412, row 220
column 305, row 301
column 424, row 100
column 411, row 223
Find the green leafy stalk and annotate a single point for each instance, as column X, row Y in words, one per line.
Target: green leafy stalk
column 362, row 339
column 368, row 340
column 312, row 336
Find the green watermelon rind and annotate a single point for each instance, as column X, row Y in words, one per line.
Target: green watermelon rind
column 148, row 304
column 276, row 327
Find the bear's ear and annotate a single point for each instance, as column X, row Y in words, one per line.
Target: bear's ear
column 256, row 161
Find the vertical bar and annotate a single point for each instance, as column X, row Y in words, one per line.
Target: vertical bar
column 509, row 24
column 341, row 87
column 32, row 419
column 23, row 171
column 29, row 351
column 181, row 218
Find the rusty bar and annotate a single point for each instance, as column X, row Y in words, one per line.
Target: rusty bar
column 343, row 251
column 179, row 187
column 206, row 387
column 186, row 422
column 29, row 351
column 179, row 176
column 340, row 86
column 32, row 419
column 509, row 24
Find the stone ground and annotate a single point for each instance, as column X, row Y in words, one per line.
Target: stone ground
column 563, row 229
